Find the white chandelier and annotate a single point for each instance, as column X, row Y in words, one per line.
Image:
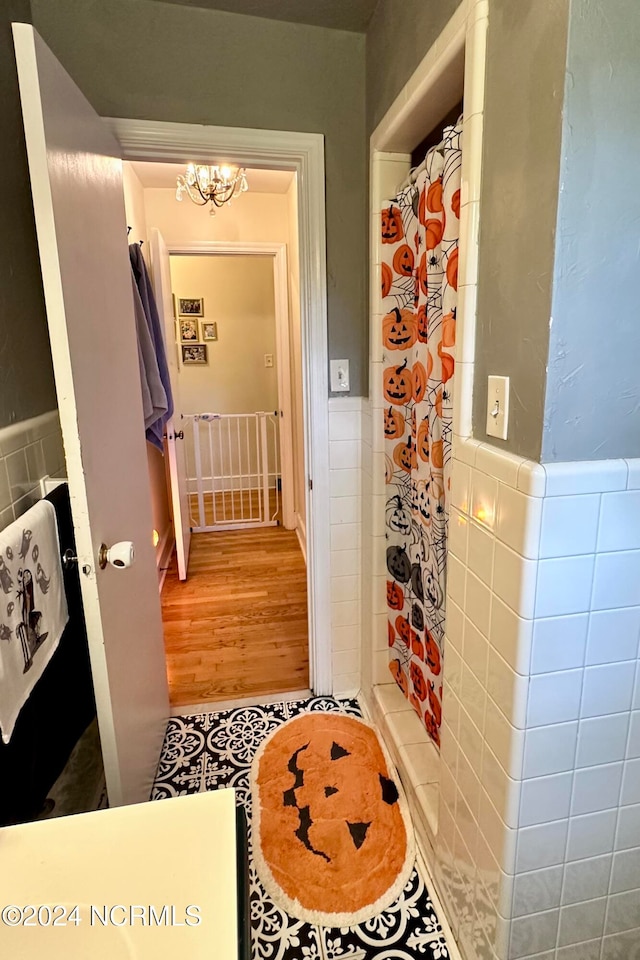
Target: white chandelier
column 215, row 185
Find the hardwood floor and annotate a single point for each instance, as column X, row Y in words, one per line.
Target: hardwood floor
column 238, row 626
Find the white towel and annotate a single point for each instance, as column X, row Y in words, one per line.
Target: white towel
column 33, row 607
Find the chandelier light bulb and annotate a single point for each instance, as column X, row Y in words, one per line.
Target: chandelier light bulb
column 212, row 185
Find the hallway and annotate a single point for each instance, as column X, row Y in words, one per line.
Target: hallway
column 238, row 626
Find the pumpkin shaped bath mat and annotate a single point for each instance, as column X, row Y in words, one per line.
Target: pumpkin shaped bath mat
column 332, row 838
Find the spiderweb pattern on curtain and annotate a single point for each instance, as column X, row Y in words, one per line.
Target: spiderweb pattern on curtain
column 420, row 230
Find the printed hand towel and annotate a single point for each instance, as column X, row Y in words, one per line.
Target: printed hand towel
column 33, row 607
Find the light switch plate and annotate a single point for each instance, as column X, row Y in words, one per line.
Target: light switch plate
column 268, row 359
column 340, row 376
column 498, row 407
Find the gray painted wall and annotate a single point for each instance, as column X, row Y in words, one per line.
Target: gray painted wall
column 399, row 35
column 26, row 373
column 526, row 58
column 592, row 408
column 159, row 61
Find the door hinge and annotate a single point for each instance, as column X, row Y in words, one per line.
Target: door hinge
column 310, row 484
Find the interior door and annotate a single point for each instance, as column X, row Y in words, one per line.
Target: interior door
column 175, row 443
column 76, row 182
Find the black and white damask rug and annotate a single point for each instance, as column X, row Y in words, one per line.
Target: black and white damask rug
column 214, row 750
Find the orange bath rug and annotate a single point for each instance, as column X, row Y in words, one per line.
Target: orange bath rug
column 332, row 837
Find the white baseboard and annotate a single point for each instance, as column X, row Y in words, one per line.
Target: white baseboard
column 302, row 536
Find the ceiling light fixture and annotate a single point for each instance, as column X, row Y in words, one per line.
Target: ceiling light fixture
column 214, row 185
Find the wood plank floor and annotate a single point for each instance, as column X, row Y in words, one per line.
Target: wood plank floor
column 238, row 626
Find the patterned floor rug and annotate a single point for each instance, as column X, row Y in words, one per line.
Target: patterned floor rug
column 214, row 750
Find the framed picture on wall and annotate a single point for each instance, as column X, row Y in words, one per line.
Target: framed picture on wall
column 208, row 330
column 188, row 330
column 194, row 353
column 188, row 307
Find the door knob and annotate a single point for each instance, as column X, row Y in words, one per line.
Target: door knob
column 121, row 555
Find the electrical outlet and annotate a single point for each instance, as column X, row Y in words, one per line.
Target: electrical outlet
column 268, row 359
column 340, row 376
column 498, row 407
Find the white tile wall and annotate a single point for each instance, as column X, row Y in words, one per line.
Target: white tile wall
column 345, row 517
column 29, row 451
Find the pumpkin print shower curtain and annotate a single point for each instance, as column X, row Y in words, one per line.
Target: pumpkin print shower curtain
column 420, row 229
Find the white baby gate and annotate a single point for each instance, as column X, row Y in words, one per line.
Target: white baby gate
column 233, row 466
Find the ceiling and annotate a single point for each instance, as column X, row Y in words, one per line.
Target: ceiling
column 338, row 14
column 164, row 175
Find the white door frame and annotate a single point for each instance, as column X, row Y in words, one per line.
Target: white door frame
column 304, row 154
column 278, row 254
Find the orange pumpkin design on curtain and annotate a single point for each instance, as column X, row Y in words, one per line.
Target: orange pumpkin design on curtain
column 419, row 284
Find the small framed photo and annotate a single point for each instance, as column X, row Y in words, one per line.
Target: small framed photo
column 188, row 307
column 208, row 330
column 188, row 330
column 194, row 353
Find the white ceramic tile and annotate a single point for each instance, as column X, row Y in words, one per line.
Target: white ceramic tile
column 421, row 761
column 500, row 840
column 631, row 785
column 514, row 580
column 518, row 521
column 469, row 226
column 500, row 464
column 345, row 613
column 564, row 586
column 458, row 535
column 616, row 580
column 466, row 322
column 587, row 476
column 581, row 921
column 625, row 874
column 506, row 741
column 623, row 913
column 344, row 455
column 536, row 891
column 477, row 602
column 510, row 635
column 628, row 832
column 579, row 951
column 619, row 946
column 5, row 491
column 554, row 697
column 532, row 479
column 344, row 638
column 508, row 689
column 591, row 835
column 596, row 788
column 345, row 563
column 608, row 688
column 465, row 449
column 473, row 695
column 484, row 497
column 463, row 400
column 541, row 846
column 586, row 879
column 559, row 643
column 613, row 635
column 345, row 536
column 471, row 170
column 18, row 474
column 344, row 510
column 476, row 649
column 461, row 486
column 406, row 728
column 455, row 626
column 345, row 588
column 633, row 474
column 346, row 662
column 544, row 799
column 619, row 521
column 633, row 744
column 480, row 551
column 537, row 932
column 468, row 783
column 569, row 525
column 550, row 749
column 503, row 791
column 470, row 740
column 456, row 580
column 346, row 685
column 602, row 740
column 453, row 670
column 344, row 425
column 344, row 483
